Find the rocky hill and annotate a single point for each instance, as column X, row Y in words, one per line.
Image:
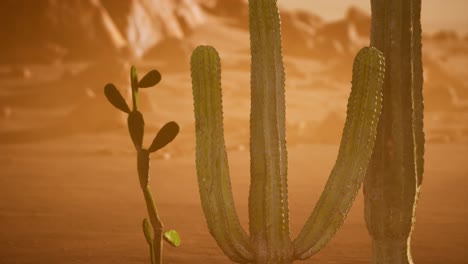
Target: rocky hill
column 44, row 30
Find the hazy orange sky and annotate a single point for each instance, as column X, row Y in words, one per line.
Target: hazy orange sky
column 436, row 14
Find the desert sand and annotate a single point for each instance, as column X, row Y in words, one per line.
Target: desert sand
column 68, row 183
column 67, row 201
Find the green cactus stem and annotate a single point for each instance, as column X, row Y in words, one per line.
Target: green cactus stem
column 393, row 181
column 212, row 167
column 269, row 240
column 152, row 229
column 268, row 196
column 364, row 106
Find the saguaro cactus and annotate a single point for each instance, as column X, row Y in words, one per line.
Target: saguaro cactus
column 395, row 171
column 269, row 240
column 153, row 232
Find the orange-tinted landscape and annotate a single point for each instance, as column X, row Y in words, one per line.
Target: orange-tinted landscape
column 69, row 189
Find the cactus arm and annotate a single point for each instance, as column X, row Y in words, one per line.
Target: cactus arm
column 395, row 171
column 211, row 158
column 268, row 198
column 364, row 106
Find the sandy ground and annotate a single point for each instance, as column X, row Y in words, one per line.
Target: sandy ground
column 70, row 193
column 76, row 201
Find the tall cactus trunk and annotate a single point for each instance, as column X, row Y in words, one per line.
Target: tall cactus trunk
column 395, row 171
column 268, row 198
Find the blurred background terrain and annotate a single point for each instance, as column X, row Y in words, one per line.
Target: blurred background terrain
column 68, row 178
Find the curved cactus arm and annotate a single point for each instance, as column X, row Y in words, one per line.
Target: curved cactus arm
column 211, row 158
column 268, row 198
column 364, row 106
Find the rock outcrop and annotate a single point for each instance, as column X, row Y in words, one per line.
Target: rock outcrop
column 46, row 30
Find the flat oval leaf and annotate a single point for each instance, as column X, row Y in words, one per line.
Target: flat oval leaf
column 143, row 167
column 172, row 237
column 165, row 135
column 115, row 98
column 136, row 127
column 150, row 79
column 148, row 231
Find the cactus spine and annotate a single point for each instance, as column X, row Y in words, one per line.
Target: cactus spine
column 395, row 172
column 152, row 229
column 269, row 240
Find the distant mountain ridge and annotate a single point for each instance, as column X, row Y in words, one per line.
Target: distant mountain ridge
column 82, row 29
column 47, row 30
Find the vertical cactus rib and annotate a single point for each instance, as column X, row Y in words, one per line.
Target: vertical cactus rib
column 211, row 158
column 418, row 102
column 364, row 106
column 395, row 171
column 268, row 198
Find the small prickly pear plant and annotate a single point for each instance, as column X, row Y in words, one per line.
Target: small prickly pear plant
column 395, row 174
column 152, row 229
column 269, row 239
